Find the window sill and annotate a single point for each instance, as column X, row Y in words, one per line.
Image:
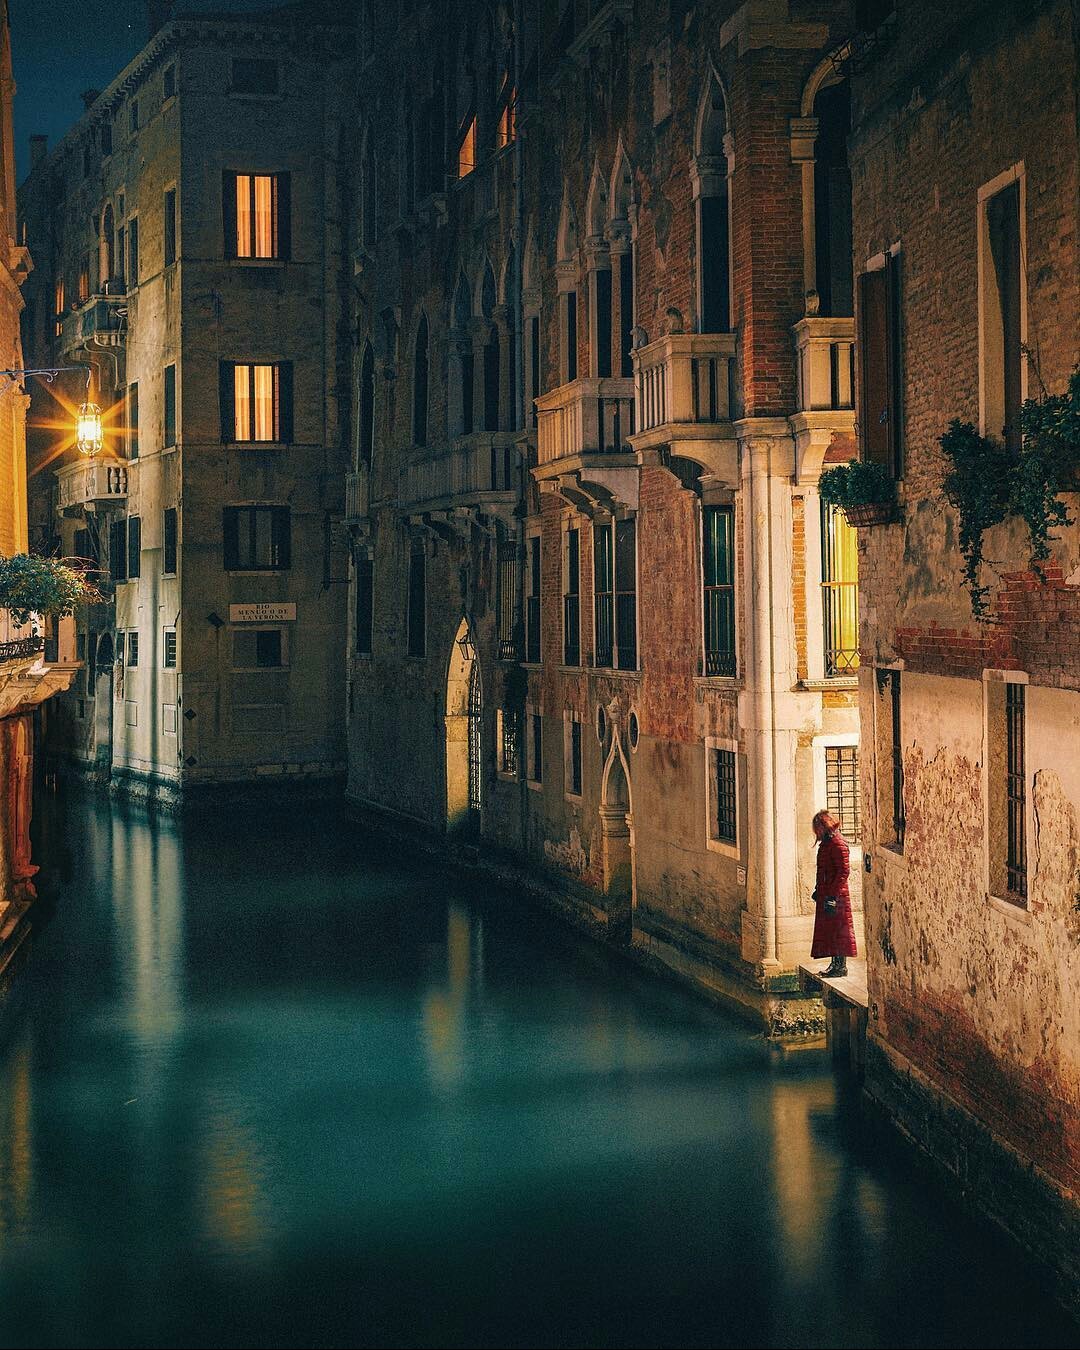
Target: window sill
column 893, row 856
column 574, row 798
column 256, row 98
column 725, row 850
column 256, row 571
column 256, row 445
column 533, row 786
column 614, row 672
column 257, row 262
column 257, row 670
column 503, row 777
column 832, row 682
column 1011, row 909
column 718, row 682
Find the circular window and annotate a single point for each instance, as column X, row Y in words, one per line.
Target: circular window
column 601, row 724
column 633, row 730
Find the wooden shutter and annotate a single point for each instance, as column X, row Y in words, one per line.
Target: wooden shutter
column 282, row 536
column 134, row 546
column 230, row 528
column 226, row 396
column 228, row 212
column 894, row 353
column 874, row 430
column 283, row 393
column 168, row 537
column 283, row 215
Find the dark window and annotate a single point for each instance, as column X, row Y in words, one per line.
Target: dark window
column 468, row 368
column 1003, row 224
column 369, row 199
column 839, row 592
column 367, row 406
column 170, row 406
column 133, row 251
column 572, row 600
column 842, row 788
column 832, row 200
column 365, row 604
column 87, row 159
column 133, row 648
column 575, row 757
column 532, row 612
column 169, row 649
column 491, row 381
column 602, row 292
column 508, row 747
column 118, row 556
column 715, row 264
column 170, row 226
column 168, row 540
column 889, row 695
column 1016, row 790
column 256, row 402
column 603, row 597
column 106, row 138
column 121, row 257
column 268, row 647
column 420, row 384
column 725, row 797
column 871, row 14
column 626, row 594
column 417, row 599
column 133, row 116
column 257, row 213
column 719, row 575
column 626, row 314
column 534, row 361
column 133, row 420
column 570, row 336
column 509, row 601
column 880, row 402
column 257, row 538
column 253, row 75
column 134, row 547
column 536, row 768
column 168, row 82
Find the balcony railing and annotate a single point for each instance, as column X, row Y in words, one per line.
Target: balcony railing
column 826, row 364
column 357, row 494
column 684, row 379
column 102, row 317
column 586, row 417
column 472, row 471
column 19, row 642
column 91, row 484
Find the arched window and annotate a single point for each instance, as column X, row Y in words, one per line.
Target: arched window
column 435, row 131
column 832, row 201
column 369, row 193
column 492, row 352
column 621, row 235
column 108, row 246
column 462, row 358
column 366, row 439
column 599, row 276
column 710, row 171
column 566, row 276
column 420, row 384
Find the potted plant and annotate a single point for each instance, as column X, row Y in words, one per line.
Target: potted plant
column 32, row 585
column 864, row 491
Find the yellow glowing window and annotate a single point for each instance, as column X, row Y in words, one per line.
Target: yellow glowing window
column 84, row 278
column 255, row 403
column 506, row 132
column 839, row 592
column 260, row 201
column 467, row 152
column 59, row 304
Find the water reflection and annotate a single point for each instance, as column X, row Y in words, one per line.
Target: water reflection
column 312, row 1093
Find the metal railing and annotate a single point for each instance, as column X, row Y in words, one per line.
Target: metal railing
column 720, row 657
column 357, row 490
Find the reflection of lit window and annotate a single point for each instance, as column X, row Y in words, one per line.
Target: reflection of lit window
column 467, row 151
column 506, row 131
column 260, row 203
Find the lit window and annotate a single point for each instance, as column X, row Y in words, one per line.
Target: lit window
column 256, row 402
column 84, row 278
column 839, row 592
column 260, row 204
column 467, row 150
column 59, row 307
column 506, row 129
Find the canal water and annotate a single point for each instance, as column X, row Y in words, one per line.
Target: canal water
column 266, row 1080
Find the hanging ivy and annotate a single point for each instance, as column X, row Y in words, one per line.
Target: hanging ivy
column 988, row 483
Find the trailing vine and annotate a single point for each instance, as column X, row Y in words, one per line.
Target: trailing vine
column 988, row 483
column 858, row 483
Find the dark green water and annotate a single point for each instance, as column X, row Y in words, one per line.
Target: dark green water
column 265, row 1081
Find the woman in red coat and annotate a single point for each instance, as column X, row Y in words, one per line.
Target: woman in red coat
column 834, row 932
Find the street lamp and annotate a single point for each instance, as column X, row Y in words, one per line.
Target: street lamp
column 89, row 437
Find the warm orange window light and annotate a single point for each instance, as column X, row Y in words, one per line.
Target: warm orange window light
column 84, row 279
column 506, row 132
column 254, row 403
column 59, row 305
column 466, row 161
column 255, row 215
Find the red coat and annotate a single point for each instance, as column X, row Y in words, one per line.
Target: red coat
column 834, row 934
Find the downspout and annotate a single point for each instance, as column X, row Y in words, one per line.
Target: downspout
column 519, row 393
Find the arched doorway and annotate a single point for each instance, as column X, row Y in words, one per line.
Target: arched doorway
column 103, row 699
column 617, row 837
column 464, row 737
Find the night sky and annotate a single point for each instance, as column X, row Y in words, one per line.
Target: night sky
column 61, row 47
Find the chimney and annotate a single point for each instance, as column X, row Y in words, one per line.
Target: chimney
column 89, row 98
column 38, row 148
column 158, row 14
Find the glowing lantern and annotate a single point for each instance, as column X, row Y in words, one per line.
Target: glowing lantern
column 88, row 433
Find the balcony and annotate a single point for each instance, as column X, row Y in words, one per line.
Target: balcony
column 684, row 388
column 90, row 485
column 26, row 678
column 825, row 364
column 454, row 488
column 584, row 449
column 102, row 317
column 357, row 497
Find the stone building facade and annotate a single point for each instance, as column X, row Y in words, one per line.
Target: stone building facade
column 187, row 233
column 971, row 728
column 603, row 347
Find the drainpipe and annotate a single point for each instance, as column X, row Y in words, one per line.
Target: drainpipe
column 518, row 376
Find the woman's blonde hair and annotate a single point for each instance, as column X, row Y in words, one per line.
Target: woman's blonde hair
column 827, row 819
